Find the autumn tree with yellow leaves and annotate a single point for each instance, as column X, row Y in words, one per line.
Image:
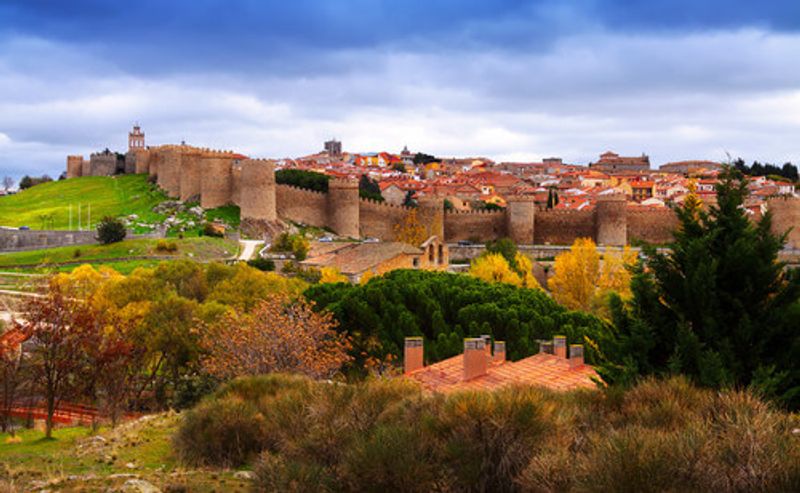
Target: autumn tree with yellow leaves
column 493, row 267
column 411, row 230
column 583, row 280
column 331, row 275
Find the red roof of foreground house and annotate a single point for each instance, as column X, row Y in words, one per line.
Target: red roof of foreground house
column 553, row 371
column 11, row 339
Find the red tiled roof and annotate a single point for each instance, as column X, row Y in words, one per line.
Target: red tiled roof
column 11, row 339
column 543, row 369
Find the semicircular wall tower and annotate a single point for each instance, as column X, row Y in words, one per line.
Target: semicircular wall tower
column 343, row 207
column 611, row 220
column 257, row 196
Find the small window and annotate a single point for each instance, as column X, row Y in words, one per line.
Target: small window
column 416, row 262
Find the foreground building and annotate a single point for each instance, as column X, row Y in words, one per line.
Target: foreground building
column 483, row 366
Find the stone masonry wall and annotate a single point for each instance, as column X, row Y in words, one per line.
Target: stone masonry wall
column 299, row 205
column 786, row 219
column 13, row 240
column 379, row 219
column 651, row 225
column 562, row 227
column 74, row 166
column 481, row 226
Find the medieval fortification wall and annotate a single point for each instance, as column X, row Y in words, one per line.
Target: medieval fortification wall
column 217, row 178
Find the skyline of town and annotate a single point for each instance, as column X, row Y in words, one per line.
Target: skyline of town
column 513, row 81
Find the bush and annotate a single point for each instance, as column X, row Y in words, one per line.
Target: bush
column 487, row 438
column 166, row 246
column 226, row 432
column 77, row 253
column 295, row 243
column 387, row 435
column 110, row 230
column 262, row 264
column 211, row 229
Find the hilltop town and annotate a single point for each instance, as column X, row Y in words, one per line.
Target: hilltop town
column 616, row 200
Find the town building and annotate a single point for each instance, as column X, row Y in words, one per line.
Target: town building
column 483, row 366
column 611, row 162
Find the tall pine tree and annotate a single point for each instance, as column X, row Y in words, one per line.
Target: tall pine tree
column 718, row 307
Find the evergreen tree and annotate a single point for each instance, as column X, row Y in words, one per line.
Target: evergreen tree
column 719, row 307
column 369, row 189
column 409, row 201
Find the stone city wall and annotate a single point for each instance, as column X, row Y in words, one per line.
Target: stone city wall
column 14, row 240
column 219, row 178
column 300, row 205
column 562, row 227
column 653, row 226
column 380, row 220
column 475, row 225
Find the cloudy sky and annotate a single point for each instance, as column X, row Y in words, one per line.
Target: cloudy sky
column 506, row 79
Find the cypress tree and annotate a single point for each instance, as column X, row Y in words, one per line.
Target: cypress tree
column 718, row 307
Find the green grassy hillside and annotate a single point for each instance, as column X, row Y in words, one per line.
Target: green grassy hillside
column 200, row 248
column 47, row 206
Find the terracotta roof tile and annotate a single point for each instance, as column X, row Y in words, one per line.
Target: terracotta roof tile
column 541, row 369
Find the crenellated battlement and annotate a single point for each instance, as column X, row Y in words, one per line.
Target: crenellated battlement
column 378, row 203
column 302, row 190
column 482, row 212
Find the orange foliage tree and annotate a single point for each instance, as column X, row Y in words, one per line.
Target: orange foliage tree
column 279, row 335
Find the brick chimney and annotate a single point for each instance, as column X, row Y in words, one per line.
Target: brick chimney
column 499, row 352
column 412, row 354
column 560, row 346
column 475, row 361
column 575, row 355
column 487, row 344
column 546, row 347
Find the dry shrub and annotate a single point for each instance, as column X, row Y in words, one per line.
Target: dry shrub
column 637, row 459
column 752, row 447
column 663, row 404
column 552, row 469
column 275, row 473
column 394, row 457
column 253, row 389
column 487, row 438
column 386, row 435
column 225, row 432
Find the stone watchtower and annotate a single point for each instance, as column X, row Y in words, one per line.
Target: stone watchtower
column 611, row 220
column 216, row 181
column 74, row 166
column 520, row 219
column 431, row 215
column 786, row 218
column 343, row 207
column 258, row 190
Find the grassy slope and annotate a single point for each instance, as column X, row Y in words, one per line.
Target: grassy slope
column 145, row 444
column 200, row 248
column 108, row 196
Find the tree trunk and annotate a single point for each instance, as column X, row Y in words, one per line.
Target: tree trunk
column 51, row 410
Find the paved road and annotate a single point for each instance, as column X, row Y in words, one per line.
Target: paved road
column 248, row 248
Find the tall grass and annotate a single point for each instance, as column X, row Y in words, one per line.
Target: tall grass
column 388, row 435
